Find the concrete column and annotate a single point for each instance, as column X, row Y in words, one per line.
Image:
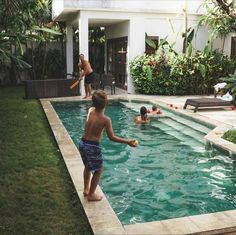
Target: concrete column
column 69, row 50
column 83, row 43
column 136, row 46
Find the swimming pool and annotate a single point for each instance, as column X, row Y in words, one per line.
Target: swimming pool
column 171, row 174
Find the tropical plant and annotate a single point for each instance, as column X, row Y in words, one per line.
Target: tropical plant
column 168, row 73
column 150, row 42
column 228, row 6
column 220, row 22
column 21, row 22
column 231, row 84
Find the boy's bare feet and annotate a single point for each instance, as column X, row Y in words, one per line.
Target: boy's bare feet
column 85, row 97
column 94, row 197
column 85, row 194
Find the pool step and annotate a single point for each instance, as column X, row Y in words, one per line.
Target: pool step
column 181, row 127
column 192, row 139
column 193, row 124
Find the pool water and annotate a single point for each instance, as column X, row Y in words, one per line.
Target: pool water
column 172, row 173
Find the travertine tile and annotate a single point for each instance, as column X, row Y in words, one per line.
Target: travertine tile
column 154, row 228
column 207, row 222
column 227, row 217
column 110, row 231
column 180, row 226
column 231, row 214
column 68, row 149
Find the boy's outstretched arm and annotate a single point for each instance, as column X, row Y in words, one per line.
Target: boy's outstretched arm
column 113, row 137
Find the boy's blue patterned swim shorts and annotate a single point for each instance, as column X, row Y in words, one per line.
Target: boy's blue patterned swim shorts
column 91, row 154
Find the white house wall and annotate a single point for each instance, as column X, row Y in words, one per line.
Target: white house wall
column 161, row 25
column 130, row 5
column 117, row 30
column 133, row 19
column 227, row 47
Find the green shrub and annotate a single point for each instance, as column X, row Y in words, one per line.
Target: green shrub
column 167, row 73
column 230, row 136
column 151, row 74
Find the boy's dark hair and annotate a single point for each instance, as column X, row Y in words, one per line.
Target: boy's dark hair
column 154, row 108
column 143, row 110
column 99, row 99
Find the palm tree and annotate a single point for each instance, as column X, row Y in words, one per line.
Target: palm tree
column 22, row 21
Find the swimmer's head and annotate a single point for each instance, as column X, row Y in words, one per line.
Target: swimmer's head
column 154, row 108
column 143, row 111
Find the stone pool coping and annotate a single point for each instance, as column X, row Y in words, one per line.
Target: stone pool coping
column 101, row 216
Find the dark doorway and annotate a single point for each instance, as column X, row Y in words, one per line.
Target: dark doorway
column 116, row 60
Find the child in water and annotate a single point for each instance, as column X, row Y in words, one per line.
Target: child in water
column 89, row 146
column 143, row 118
column 155, row 110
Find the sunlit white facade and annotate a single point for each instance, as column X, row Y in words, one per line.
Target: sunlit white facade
column 131, row 19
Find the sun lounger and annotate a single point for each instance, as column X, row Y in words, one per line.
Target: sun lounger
column 206, row 102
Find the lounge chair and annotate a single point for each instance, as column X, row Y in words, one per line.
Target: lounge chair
column 207, row 102
column 108, row 80
column 96, row 84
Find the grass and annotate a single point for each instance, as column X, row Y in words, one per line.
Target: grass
column 37, row 195
column 230, row 136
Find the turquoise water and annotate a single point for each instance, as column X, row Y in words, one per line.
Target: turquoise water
column 172, row 173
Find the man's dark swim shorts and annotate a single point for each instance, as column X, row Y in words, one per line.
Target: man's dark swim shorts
column 91, row 154
column 89, row 78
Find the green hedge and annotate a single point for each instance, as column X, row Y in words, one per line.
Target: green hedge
column 169, row 73
column 230, row 136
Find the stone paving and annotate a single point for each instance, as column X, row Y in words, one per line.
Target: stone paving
column 101, row 216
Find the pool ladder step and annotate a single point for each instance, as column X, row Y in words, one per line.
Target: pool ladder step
column 187, row 138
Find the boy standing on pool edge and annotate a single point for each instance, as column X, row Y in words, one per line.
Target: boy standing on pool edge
column 89, row 147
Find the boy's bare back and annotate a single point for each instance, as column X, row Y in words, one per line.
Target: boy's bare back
column 95, row 123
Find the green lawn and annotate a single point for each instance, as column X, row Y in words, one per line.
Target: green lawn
column 37, row 195
column 230, row 136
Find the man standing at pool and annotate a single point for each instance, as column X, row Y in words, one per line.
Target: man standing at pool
column 87, row 73
column 89, row 148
